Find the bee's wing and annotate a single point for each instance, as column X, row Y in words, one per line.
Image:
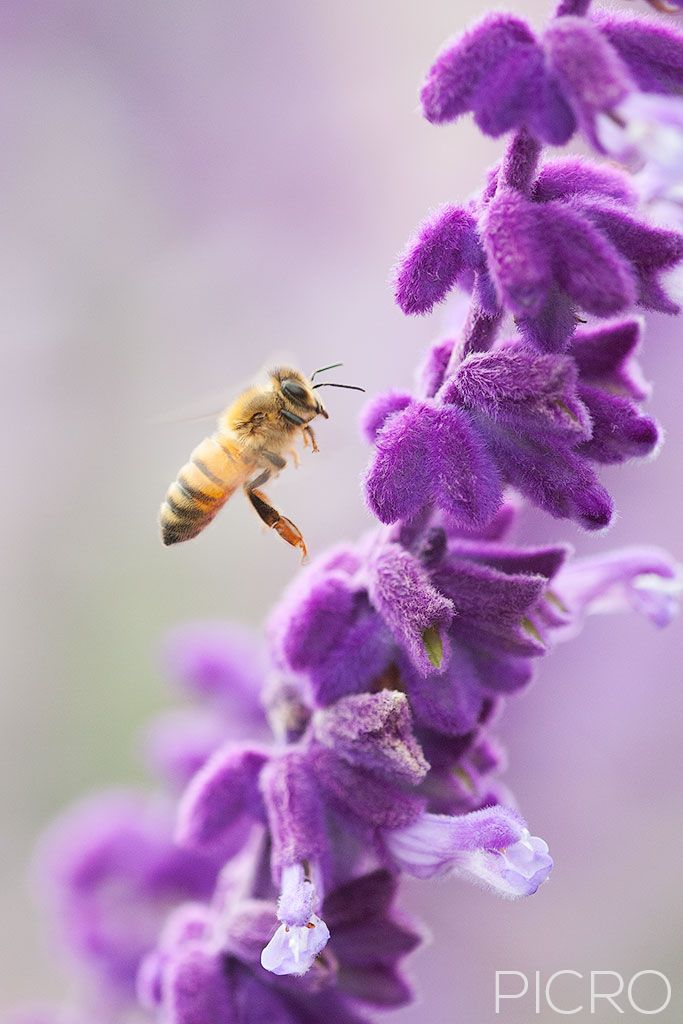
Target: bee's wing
column 200, row 417
column 207, row 408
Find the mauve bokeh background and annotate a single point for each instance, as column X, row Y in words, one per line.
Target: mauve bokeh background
column 188, row 189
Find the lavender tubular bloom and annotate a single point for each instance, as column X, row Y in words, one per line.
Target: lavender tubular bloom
column 491, row 846
column 645, row 580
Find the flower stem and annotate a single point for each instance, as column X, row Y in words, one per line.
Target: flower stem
column 520, row 160
column 478, row 334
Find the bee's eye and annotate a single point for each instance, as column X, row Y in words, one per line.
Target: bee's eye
column 294, row 391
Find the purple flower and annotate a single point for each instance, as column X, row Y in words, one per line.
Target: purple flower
column 573, row 244
column 207, row 964
column 222, row 664
column 302, row 935
column 519, row 406
column 492, row 847
column 509, row 77
column 645, row 580
column 416, row 451
column 111, row 871
column 444, row 248
column 223, row 669
column 351, row 772
column 480, row 649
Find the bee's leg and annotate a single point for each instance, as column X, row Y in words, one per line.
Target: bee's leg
column 274, row 460
column 310, row 436
column 271, row 517
column 292, row 417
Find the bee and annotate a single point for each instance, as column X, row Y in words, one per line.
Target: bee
column 254, row 436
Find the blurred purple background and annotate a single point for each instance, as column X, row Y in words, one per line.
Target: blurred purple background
column 190, row 189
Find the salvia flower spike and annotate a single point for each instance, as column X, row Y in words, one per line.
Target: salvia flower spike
column 259, row 880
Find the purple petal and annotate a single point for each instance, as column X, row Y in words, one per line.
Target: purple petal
column 243, row 927
column 491, row 606
column 376, row 984
column 450, row 703
column 589, row 70
column 398, row 481
column 312, row 619
column 555, row 478
column 295, row 811
column 490, row 846
column 425, row 451
column 178, row 743
column 368, row 897
column 501, row 674
column 540, row 561
column 605, row 355
column 550, row 116
column 652, row 50
column 376, row 941
column 187, row 923
column 466, row 482
column 520, row 870
column 401, row 592
column 586, row 264
column 527, row 390
column 218, row 661
column 572, row 176
column 517, row 252
column 646, row 246
column 355, row 663
column 369, row 799
column 378, row 410
column 445, row 244
column 431, row 845
column 110, row 871
column 620, row 431
column 374, row 731
column 196, row 990
column 432, row 372
column 645, row 579
column 508, row 95
column 258, row 1002
column 552, row 328
column 461, row 67
column 220, row 798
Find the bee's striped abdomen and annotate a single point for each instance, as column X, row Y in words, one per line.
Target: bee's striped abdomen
column 204, row 484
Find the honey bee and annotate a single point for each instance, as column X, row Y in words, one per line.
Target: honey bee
column 254, row 435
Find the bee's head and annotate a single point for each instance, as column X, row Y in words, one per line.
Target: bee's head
column 298, row 393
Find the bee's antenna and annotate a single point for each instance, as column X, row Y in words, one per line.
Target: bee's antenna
column 323, row 369
column 329, row 384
